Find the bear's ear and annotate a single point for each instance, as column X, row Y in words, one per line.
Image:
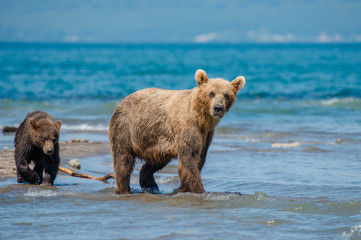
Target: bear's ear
column 34, row 124
column 58, row 124
column 201, row 77
column 238, row 83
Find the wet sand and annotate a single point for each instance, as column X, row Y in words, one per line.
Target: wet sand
column 68, row 150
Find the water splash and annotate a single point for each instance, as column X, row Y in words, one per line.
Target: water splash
column 354, row 233
column 40, row 193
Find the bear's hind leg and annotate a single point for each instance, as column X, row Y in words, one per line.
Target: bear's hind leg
column 146, row 177
column 123, row 167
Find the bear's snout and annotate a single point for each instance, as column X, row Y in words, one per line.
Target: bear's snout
column 48, row 148
column 218, row 110
column 49, row 151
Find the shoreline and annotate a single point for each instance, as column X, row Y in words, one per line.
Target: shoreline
column 68, row 150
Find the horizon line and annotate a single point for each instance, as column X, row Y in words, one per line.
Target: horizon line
column 181, row 42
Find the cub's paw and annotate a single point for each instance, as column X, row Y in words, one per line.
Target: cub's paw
column 33, row 178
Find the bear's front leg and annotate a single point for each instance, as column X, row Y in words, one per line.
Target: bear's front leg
column 25, row 174
column 190, row 176
column 189, row 160
column 51, row 165
column 38, row 168
column 190, row 147
column 123, row 167
column 23, row 171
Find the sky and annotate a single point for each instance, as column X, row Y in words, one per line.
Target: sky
column 167, row 21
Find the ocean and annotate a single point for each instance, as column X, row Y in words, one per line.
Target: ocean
column 305, row 96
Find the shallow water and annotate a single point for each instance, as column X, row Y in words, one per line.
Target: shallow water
column 304, row 94
column 278, row 200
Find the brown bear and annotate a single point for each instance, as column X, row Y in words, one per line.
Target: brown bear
column 157, row 125
column 36, row 140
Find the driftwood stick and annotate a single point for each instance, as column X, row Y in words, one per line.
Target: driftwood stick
column 82, row 175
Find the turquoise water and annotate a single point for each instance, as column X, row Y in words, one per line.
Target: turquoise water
column 304, row 94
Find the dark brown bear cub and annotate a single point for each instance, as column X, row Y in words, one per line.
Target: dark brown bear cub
column 36, row 140
column 158, row 125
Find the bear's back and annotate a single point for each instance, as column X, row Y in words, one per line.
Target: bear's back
column 148, row 114
column 153, row 103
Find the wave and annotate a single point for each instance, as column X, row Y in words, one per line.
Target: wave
column 85, row 127
column 114, row 93
column 283, row 105
column 336, row 102
column 289, row 94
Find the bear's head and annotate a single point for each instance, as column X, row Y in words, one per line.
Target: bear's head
column 45, row 134
column 217, row 95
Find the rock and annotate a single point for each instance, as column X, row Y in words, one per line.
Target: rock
column 74, row 163
column 9, row 129
column 77, row 141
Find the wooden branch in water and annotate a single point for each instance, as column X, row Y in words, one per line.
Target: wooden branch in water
column 82, row 175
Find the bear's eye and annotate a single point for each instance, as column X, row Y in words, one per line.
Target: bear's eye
column 226, row 96
column 211, row 94
column 44, row 139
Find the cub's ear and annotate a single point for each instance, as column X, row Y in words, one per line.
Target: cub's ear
column 201, row 77
column 58, row 124
column 238, row 83
column 34, row 124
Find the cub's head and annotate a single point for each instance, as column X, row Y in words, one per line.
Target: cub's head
column 45, row 134
column 217, row 94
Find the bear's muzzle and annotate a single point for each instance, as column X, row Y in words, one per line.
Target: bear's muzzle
column 219, row 111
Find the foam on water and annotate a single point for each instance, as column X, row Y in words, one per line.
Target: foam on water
column 35, row 192
column 167, row 180
column 354, row 233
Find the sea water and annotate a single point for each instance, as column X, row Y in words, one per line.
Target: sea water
column 305, row 96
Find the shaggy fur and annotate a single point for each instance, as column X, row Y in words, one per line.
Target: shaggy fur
column 36, row 140
column 158, row 125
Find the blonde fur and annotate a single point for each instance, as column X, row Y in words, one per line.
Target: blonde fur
column 158, row 125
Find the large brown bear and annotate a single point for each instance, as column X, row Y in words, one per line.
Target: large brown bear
column 158, row 125
column 36, row 140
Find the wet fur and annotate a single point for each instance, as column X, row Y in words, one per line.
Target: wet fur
column 158, row 125
column 36, row 140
